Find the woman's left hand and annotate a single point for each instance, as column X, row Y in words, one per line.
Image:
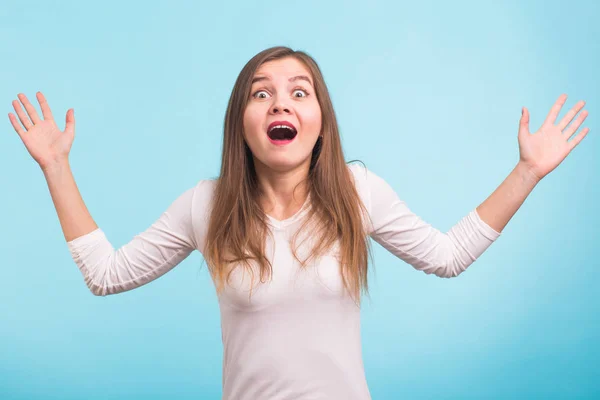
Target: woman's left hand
column 543, row 151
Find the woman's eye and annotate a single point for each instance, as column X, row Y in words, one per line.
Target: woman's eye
column 301, row 90
column 256, row 94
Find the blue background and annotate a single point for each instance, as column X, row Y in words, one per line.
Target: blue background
column 427, row 94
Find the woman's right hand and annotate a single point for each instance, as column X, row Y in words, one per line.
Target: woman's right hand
column 42, row 138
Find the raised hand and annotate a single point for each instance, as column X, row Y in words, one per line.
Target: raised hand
column 543, row 151
column 42, row 138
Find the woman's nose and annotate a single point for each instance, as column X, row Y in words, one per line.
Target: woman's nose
column 278, row 107
column 283, row 110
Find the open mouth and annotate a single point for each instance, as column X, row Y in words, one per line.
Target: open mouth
column 282, row 133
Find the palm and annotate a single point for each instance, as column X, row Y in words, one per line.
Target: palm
column 42, row 138
column 543, row 151
column 46, row 142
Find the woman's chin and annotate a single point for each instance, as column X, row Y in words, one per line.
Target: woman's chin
column 285, row 161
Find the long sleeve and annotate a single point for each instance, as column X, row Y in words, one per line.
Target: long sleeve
column 149, row 255
column 395, row 227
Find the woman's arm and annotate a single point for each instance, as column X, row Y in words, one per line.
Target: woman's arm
column 409, row 237
column 50, row 148
column 406, row 235
column 540, row 154
column 105, row 270
column 149, row 255
column 74, row 217
column 504, row 202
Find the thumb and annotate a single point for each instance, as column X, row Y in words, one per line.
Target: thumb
column 524, row 122
column 70, row 122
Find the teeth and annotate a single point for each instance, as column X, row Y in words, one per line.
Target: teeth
column 281, row 126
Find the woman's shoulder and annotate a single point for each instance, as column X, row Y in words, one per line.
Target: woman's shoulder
column 366, row 177
column 204, row 190
column 368, row 183
column 360, row 173
column 356, row 167
column 207, row 185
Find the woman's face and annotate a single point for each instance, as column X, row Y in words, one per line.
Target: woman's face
column 282, row 91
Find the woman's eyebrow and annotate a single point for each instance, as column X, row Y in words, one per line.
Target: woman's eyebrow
column 292, row 79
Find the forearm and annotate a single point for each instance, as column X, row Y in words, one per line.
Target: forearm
column 73, row 215
column 504, row 202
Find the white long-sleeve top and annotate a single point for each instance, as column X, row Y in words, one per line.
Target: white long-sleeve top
column 298, row 336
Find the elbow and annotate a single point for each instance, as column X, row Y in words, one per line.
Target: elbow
column 97, row 287
column 98, row 291
column 443, row 271
column 452, row 268
column 455, row 261
column 445, row 268
column 448, row 259
column 450, row 272
column 96, row 277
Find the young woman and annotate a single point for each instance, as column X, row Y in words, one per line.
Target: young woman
column 285, row 228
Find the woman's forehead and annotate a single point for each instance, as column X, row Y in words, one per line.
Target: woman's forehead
column 283, row 68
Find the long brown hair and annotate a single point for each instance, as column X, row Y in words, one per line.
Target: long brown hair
column 238, row 228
